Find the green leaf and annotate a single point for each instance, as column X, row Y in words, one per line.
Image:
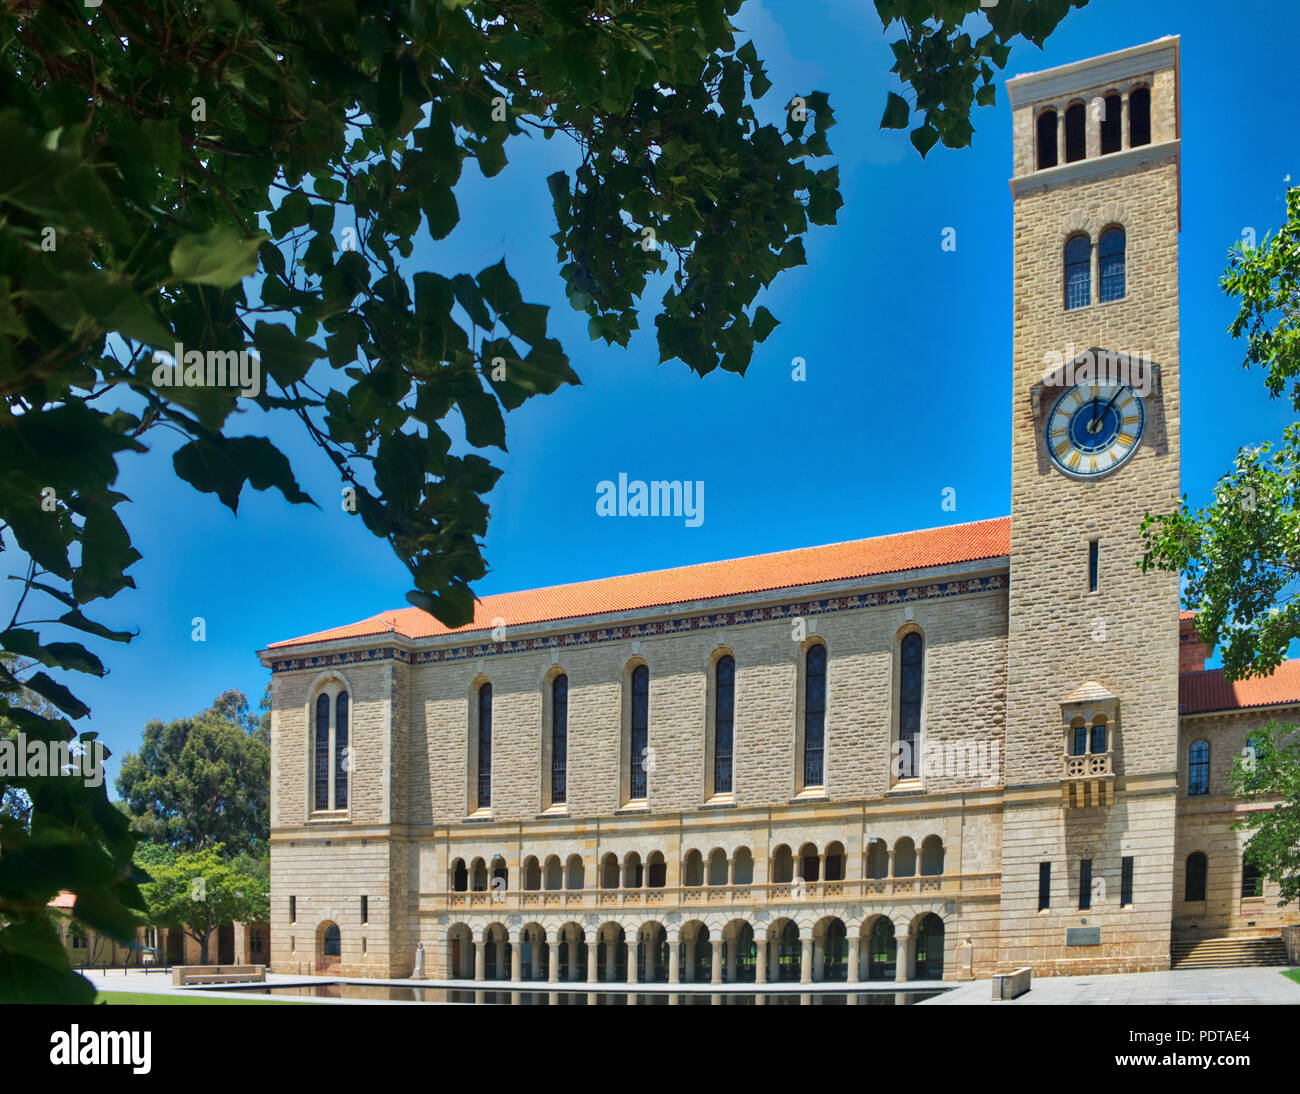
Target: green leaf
column 896, row 112
column 220, row 257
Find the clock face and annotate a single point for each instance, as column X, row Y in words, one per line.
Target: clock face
column 1094, row 427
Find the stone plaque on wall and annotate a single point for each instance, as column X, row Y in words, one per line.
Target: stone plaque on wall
column 1083, row 936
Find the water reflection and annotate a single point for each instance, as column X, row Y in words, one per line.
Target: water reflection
column 394, row 994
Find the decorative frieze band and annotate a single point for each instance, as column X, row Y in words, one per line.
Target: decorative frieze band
column 596, row 636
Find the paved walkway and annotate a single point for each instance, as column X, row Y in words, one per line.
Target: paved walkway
column 1189, row 986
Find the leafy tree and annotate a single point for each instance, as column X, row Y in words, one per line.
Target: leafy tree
column 1269, row 772
column 201, row 781
column 950, row 71
column 234, row 176
column 1240, row 553
column 201, row 891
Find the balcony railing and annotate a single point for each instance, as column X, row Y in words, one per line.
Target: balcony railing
column 704, row 896
column 1091, row 765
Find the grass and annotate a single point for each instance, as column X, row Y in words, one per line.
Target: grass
column 1293, row 974
column 149, row 999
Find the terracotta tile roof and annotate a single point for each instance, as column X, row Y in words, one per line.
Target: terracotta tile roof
column 64, row 900
column 1186, row 615
column 687, row 584
column 1200, row 692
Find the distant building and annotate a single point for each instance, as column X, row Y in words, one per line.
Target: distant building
column 230, row 944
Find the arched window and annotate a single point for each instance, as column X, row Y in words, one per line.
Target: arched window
column 341, row 754
column 1076, row 133
column 1111, row 254
column 1252, row 879
column 1194, row 879
column 559, row 739
column 330, row 755
column 333, row 945
column 910, row 681
column 1139, row 117
column 322, row 752
column 1079, row 738
column 723, row 722
column 814, row 716
column 1112, row 127
column 1078, row 273
column 1047, row 139
column 1198, row 768
column 484, row 746
column 640, row 735
column 459, row 876
column 1098, row 736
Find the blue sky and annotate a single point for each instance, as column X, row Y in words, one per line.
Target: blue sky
column 865, row 446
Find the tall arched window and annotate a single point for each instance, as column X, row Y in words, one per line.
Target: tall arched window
column 1076, row 133
column 1198, row 768
column 341, row 754
column 1047, row 139
column 1112, row 124
column 322, row 773
column 330, row 755
column 814, row 716
column 559, row 739
column 910, row 681
column 723, row 722
column 485, row 746
column 1111, row 255
column 640, row 735
column 1078, row 272
column 1139, row 117
column 1194, row 878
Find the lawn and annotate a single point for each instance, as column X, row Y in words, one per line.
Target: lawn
column 148, row 999
column 1294, row 974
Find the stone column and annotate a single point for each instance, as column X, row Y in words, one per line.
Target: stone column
column 806, row 961
column 633, row 946
column 855, row 968
column 553, row 974
column 760, row 961
column 715, row 949
column 1060, row 136
column 480, row 959
column 674, row 960
column 904, row 960
column 1127, row 137
column 516, row 960
column 593, row 974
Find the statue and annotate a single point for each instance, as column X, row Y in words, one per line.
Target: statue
column 418, row 974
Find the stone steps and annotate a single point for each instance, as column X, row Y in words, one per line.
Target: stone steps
column 1229, row 953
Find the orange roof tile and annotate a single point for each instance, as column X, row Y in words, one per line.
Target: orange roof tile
column 1201, row 692
column 687, row 584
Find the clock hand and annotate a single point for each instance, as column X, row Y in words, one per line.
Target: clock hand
column 1092, row 425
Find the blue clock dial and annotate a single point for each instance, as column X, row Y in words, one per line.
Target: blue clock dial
column 1094, row 427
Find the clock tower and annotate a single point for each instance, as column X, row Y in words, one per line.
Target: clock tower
column 1092, row 661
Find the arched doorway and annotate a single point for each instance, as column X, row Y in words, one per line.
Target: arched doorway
column 929, row 948
column 329, row 946
column 882, row 956
column 835, row 951
column 789, row 952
